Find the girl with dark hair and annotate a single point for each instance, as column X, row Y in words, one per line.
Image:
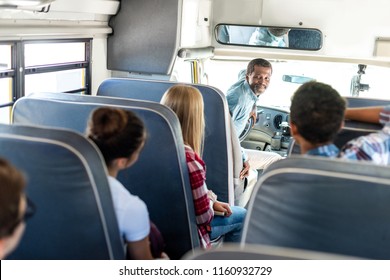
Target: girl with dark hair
column 120, row 136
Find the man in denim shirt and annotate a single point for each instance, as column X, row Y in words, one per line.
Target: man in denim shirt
column 374, row 147
column 316, row 116
column 241, row 98
column 272, row 37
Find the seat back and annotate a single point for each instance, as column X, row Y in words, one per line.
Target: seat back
column 354, row 102
column 345, row 134
column 260, row 252
column 66, row 179
column 159, row 177
column 322, row 204
column 217, row 152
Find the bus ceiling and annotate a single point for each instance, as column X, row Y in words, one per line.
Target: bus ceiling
column 146, row 36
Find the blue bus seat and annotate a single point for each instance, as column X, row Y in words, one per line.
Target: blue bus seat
column 222, row 170
column 260, row 252
column 159, row 177
column 66, row 179
column 322, row 204
column 346, row 134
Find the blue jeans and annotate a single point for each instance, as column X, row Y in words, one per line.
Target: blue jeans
column 230, row 227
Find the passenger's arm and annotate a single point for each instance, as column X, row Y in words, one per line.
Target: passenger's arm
column 245, row 170
column 222, row 207
column 364, row 114
column 139, row 250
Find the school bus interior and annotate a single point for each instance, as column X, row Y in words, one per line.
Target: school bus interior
column 146, row 178
column 56, row 55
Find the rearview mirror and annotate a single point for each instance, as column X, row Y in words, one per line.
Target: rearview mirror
column 296, row 79
column 269, row 36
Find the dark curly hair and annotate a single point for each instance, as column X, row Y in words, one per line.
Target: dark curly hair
column 117, row 132
column 317, row 110
column 259, row 62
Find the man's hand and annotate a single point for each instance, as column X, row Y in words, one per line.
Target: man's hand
column 245, row 170
column 253, row 115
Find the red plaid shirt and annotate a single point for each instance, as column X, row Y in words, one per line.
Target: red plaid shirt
column 203, row 209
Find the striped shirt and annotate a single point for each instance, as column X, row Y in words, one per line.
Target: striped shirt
column 203, row 208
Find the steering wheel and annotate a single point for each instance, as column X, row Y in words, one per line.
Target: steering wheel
column 247, row 129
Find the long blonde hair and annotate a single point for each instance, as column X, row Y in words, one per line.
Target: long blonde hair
column 187, row 102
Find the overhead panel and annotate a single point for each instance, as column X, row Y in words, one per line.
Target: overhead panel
column 145, row 36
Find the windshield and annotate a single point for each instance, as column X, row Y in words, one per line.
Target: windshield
column 222, row 74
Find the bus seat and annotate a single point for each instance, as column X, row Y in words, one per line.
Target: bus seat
column 346, row 134
column 66, row 179
column 260, row 252
column 322, row 204
column 354, row 102
column 217, row 152
column 159, row 177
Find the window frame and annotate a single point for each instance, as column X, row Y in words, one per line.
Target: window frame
column 18, row 71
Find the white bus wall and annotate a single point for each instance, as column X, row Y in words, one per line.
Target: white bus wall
column 99, row 63
column 65, row 19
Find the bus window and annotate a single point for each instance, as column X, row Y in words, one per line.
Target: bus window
column 182, row 71
column 59, row 81
column 36, row 66
column 5, row 98
column 6, row 74
column 280, row 91
column 5, row 58
column 57, row 66
column 53, row 53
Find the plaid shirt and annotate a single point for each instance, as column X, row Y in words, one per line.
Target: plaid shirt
column 203, row 209
column 374, row 147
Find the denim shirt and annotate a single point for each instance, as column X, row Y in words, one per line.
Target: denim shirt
column 263, row 37
column 240, row 99
column 324, row 151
